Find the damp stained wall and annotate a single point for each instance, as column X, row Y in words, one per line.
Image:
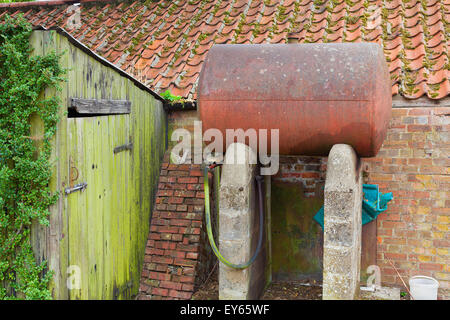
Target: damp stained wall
column 297, row 241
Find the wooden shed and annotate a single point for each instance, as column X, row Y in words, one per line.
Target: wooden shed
column 107, row 152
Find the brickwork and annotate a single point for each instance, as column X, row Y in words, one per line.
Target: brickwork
column 308, row 171
column 414, row 164
column 177, row 256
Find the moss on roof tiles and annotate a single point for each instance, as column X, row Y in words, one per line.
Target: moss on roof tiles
column 135, row 26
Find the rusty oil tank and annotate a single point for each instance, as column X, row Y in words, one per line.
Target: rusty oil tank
column 317, row 95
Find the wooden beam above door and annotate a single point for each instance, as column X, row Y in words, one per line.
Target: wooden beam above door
column 100, row 106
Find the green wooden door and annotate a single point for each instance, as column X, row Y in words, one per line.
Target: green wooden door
column 99, row 214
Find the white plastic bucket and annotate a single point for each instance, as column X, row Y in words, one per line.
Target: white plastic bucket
column 423, row 288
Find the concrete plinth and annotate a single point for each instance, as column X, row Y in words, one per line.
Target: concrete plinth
column 342, row 234
column 380, row 293
column 238, row 229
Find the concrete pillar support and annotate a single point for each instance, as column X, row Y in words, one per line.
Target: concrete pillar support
column 342, row 234
column 237, row 210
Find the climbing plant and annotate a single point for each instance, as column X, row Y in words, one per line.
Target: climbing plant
column 25, row 168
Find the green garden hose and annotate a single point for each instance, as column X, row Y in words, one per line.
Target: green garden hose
column 208, row 219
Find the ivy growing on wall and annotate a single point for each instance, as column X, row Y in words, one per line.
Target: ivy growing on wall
column 25, row 171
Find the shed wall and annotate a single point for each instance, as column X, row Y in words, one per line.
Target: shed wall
column 107, row 276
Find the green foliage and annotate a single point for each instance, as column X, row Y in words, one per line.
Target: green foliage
column 171, row 97
column 25, row 170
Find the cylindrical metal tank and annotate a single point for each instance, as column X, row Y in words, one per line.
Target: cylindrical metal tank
column 317, row 95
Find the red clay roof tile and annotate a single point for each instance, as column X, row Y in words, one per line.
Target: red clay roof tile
column 164, row 43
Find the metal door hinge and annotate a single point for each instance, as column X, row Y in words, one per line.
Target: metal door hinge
column 77, row 187
column 123, row 147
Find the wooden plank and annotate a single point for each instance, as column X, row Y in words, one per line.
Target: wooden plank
column 137, row 224
column 130, row 198
column 146, row 166
column 120, row 209
column 58, row 239
column 98, row 140
column 127, row 197
column 100, row 106
column 368, row 248
column 123, row 210
column 115, row 244
column 107, row 198
column 89, row 214
column 83, row 167
column 75, row 204
column 71, row 136
column 125, row 216
column 82, row 199
column 139, row 179
column 422, row 102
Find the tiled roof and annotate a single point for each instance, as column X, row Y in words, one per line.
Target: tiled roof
column 163, row 43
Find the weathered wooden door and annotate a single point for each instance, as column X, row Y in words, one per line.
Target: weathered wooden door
column 98, row 209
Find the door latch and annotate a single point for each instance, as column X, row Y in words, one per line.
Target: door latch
column 77, row 187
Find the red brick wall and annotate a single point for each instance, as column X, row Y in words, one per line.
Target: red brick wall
column 177, row 256
column 414, row 164
column 308, row 171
